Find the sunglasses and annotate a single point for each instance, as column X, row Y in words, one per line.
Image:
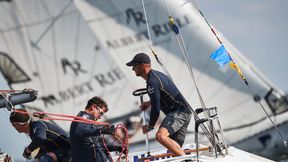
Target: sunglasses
column 21, row 123
column 100, row 110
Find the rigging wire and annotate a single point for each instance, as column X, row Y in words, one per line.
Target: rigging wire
column 147, row 25
column 245, row 80
column 184, row 52
column 182, row 47
column 167, row 11
column 214, row 33
column 55, row 53
column 266, row 113
column 76, row 49
column 151, row 44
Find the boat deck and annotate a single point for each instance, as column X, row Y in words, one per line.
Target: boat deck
column 234, row 155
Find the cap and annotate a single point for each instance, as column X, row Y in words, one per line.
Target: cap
column 139, row 59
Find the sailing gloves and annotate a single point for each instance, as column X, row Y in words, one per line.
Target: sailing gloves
column 117, row 148
column 26, row 155
column 109, row 130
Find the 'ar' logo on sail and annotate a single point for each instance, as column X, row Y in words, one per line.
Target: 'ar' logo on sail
column 137, row 16
column 75, row 66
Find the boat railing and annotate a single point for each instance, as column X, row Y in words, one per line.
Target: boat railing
column 219, row 144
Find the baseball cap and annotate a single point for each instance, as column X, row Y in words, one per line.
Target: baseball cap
column 139, row 59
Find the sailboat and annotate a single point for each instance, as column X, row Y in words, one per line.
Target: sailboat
column 71, row 50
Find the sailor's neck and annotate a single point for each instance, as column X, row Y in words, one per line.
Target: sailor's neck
column 145, row 73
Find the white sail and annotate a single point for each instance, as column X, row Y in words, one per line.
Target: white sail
column 220, row 87
column 65, row 62
column 72, row 50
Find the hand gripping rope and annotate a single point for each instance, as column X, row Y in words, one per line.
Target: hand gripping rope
column 124, row 143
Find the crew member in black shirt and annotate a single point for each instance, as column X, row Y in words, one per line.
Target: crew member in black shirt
column 86, row 139
column 51, row 139
column 164, row 96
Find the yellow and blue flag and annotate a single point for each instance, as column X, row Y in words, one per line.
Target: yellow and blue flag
column 221, row 56
column 173, row 26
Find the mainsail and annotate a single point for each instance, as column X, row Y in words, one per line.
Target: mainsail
column 65, row 61
column 72, row 50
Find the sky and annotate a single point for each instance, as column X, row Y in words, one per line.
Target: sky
column 11, row 141
column 258, row 28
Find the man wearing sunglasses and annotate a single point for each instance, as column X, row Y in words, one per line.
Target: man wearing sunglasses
column 86, row 139
column 53, row 141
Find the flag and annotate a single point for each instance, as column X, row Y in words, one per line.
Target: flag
column 221, row 56
column 237, row 69
column 173, row 26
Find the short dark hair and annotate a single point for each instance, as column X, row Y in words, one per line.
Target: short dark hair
column 98, row 101
column 20, row 115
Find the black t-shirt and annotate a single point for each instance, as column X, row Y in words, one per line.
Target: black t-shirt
column 48, row 137
column 163, row 94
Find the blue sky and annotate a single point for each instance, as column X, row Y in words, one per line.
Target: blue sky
column 11, row 141
column 258, row 28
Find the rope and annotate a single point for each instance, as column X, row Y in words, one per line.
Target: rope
column 124, row 144
column 63, row 117
column 10, row 91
